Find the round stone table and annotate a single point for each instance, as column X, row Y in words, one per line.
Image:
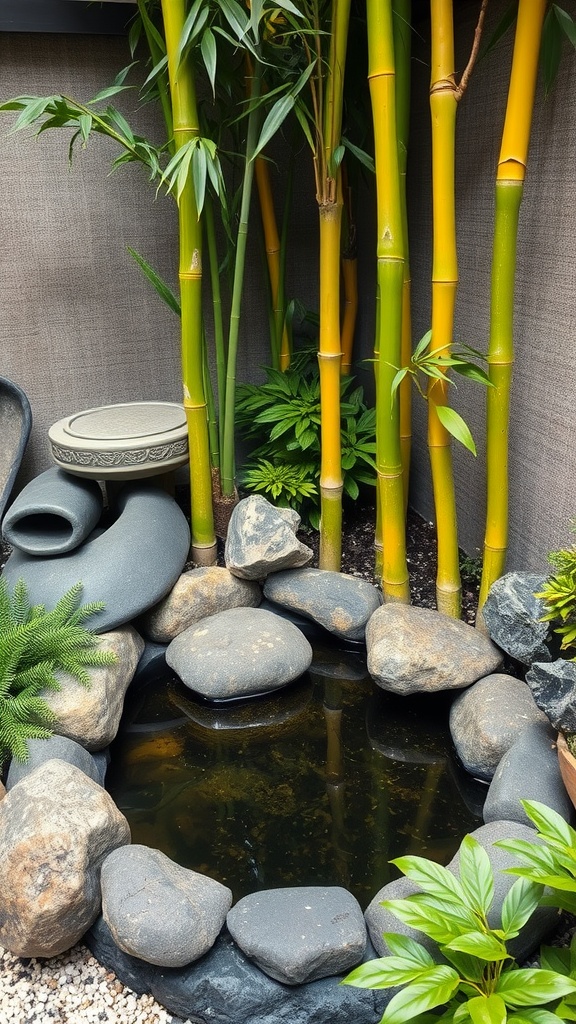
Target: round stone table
column 122, row 442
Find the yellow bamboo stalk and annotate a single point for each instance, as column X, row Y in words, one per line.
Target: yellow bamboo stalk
column 443, row 103
column 350, row 282
column 271, row 245
column 186, row 128
column 390, row 269
column 508, row 197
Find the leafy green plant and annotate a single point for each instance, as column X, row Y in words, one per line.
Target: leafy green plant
column 559, row 593
column 34, row 644
column 551, row 862
column 479, row 981
column 287, row 465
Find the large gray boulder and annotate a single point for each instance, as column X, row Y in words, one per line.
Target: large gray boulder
column 379, row 919
column 512, row 615
column 417, row 650
column 60, row 747
column 487, row 719
column 238, row 653
column 340, row 603
column 553, row 685
column 56, row 828
column 159, row 911
column 91, row 715
column 300, row 934
column 197, row 594
column 528, row 771
column 262, row 539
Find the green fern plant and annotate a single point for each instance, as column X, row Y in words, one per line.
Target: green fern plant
column 34, row 644
column 559, row 594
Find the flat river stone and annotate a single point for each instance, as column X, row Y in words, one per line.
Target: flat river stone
column 340, row 603
column 239, row 652
column 417, row 650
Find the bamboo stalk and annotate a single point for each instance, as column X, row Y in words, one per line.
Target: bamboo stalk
column 508, row 197
column 443, row 105
column 218, row 323
column 186, row 128
column 402, row 13
column 390, row 270
column 349, row 275
column 272, row 247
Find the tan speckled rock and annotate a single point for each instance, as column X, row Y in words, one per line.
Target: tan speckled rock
column 340, row 603
column 197, row 594
column 56, row 828
column 92, row 716
column 417, row 650
column 2, row 791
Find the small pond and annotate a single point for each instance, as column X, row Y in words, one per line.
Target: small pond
column 321, row 783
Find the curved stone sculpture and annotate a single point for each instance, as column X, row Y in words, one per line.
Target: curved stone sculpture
column 129, row 566
column 15, row 427
column 54, row 514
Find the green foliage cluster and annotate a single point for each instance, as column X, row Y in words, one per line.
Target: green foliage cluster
column 286, row 466
column 559, row 593
column 477, row 980
column 34, row 644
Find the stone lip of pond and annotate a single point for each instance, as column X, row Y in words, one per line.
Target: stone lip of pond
column 223, row 984
column 15, row 427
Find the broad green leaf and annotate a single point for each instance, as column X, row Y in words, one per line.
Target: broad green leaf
column 519, row 904
column 530, row 987
column 161, row 287
column 456, row 426
column 536, row 1016
column 410, row 949
column 433, row 878
column 534, row 854
column 274, row 119
column 476, row 875
column 388, row 972
column 209, row 56
column 550, row 824
column 486, row 947
column 555, row 958
column 469, row 967
column 566, row 23
column 433, row 923
column 487, row 1010
column 440, row 985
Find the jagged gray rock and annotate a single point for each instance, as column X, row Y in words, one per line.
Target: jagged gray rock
column 340, row 603
column 56, row 827
column 159, row 911
column 91, row 716
column 487, row 719
column 512, row 616
column 379, row 919
column 528, row 771
column 262, row 539
column 553, row 685
column 59, row 747
column 239, row 652
column 197, row 594
column 415, row 650
column 299, row 934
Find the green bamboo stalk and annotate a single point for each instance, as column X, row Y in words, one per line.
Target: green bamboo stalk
column 218, row 323
column 186, row 128
column 390, row 271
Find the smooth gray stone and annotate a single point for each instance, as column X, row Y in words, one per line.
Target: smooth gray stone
column 379, row 919
column 15, row 427
column 529, row 771
column 129, row 567
column 60, row 747
column 340, row 603
column 152, row 658
column 300, row 934
column 158, row 910
column 417, row 650
column 225, row 988
column 102, row 759
column 239, row 652
column 553, row 685
column 265, row 713
column 487, row 719
column 54, row 513
column 262, row 539
column 512, row 616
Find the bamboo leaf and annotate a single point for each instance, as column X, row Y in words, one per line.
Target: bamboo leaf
column 456, row 426
column 236, row 17
column 209, row 56
column 32, row 110
column 112, row 90
column 472, row 372
column 156, row 71
column 287, row 5
column 503, row 26
column 422, row 345
column 190, row 27
column 566, row 23
column 85, row 122
column 551, row 49
column 165, row 293
column 364, row 158
column 199, row 171
column 274, row 119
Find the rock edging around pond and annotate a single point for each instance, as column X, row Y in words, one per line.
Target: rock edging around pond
column 258, row 970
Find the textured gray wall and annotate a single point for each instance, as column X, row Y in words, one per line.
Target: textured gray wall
column 543, row 416
column 79, row 326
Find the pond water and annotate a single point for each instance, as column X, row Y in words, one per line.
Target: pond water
column 321, row 783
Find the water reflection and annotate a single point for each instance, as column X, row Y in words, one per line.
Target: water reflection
column 320, row 783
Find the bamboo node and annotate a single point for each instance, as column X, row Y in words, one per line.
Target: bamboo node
column 444, row 85
column 191, row 406
column 190, row 275
column 324, row 356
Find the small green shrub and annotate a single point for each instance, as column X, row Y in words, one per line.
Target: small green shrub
column 34, row 644
column 552, row 862
column 480, row 982
column 559, row 593
column 286, row 409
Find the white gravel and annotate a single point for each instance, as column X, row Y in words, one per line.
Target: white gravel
column 71, row 989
